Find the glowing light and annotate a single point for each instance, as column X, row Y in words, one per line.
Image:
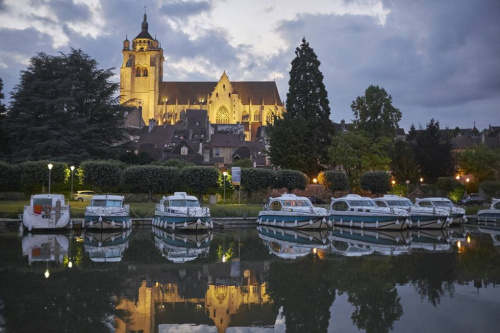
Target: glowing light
column 224, row 258
column 315, row 250
column 421, row 180
column 70, row 264
column 457, row 177
column 468, row 239
column 393, row 182
column 459, row 245
column 50, row 166
column 315, row 180
column 47, row 274
column 467, row 180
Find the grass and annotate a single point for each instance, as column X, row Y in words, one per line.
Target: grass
column 12, row 209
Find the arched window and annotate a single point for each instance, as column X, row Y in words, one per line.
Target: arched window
column 138, row 71
column 256, row 116
column 145, row 72
column 269, row 118
column 222, row 116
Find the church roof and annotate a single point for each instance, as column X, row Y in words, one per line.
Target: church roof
column 258, row 92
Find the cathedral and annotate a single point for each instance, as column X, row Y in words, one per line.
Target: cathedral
column 251, row 104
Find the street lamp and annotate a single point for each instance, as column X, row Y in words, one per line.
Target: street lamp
column 407, row 187
column 421, row 181
column 72, row 169
column 50, row 169
column 224, row 174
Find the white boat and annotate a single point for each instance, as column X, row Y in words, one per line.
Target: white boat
column 294, row 244
column 457, row 214
column 351, row 242
column 361, row 212
column 492, row 214
column 182, row 246
column 106, row 246
column 420, row 217
column 182, row 212
column 291, row 211
column 46, row 211
column 107, row 212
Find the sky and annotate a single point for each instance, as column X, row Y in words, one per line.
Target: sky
column 437, row 58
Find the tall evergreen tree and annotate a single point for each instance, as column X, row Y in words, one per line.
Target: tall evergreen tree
column 3, row 110
column 433, row 153
column 375, row 113
column 300, row 140
column 64, row 108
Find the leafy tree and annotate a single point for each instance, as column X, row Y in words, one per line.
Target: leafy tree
column 403, row 163
column 244, row 163
column 306, row 128
column 199, row 179
column 433, row 153
column 480, row 161
column 150, row 178
column 291, row 180
column 3, row 110
column 64, row 108
column 375, row 113
column 336, row 180
column 376, row 182
column 412, row 133
column 174, row 163
column 254, row 180
column 356, row 153
column 102, row 175
column 490, row 188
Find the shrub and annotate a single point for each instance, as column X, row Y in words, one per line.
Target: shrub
column 8, row 177
column 101, row 175
column 254, row 180
column 376, row 182
column 34, row 175
column 491, row 189
column 199, row 180
column 336, row 180
column 291, row 180
column 450, row 187
column 150, row 179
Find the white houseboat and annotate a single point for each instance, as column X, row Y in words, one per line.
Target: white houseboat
column 107, row 212
column 46, row 212
column 182, row 212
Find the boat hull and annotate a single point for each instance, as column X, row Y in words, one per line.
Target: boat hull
column 489, row 215
column 182, row 222
column 106, row 222
column 33, row 221
column 369, row 221
column 293, row 221
column 429, row 222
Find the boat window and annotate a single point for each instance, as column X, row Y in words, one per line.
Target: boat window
column 443, row 204
column 381, row 203
column 275, row 205
column 340, row 205
column 106, row 203
column 42, row 202
column 424, row 204
column 396, row 203
column 496, row 205
column 362, row 203
column 184, row 203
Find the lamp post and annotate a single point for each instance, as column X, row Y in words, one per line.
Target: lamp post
column 224, row 174
column 50, row 169
column 407, row 187
column 72, row 169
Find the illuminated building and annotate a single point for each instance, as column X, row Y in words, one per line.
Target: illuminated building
column 250, row 103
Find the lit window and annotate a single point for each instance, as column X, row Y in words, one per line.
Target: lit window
column 184, row 151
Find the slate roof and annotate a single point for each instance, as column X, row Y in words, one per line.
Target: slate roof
column 258, row 92
column 226, row 140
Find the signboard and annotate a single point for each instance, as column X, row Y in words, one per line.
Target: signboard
column 236, row 175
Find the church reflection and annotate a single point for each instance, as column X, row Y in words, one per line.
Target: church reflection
column 217, row 296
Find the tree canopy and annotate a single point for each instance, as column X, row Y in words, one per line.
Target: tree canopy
column 433, row 153
column 479, row 161
column 64, row 108
column 300, row 139
column 375, row 113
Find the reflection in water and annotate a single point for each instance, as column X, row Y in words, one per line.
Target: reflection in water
column 182, row 246
column 491, row 228
column 357, row 242
column 253, row 290
column 293, row 244
column 45, row 247
column 107, row 246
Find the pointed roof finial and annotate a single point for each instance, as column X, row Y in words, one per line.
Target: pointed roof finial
column 145, row 22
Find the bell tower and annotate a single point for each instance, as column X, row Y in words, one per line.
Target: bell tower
column 141, row 72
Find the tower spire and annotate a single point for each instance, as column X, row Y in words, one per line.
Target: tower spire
column 144, row 27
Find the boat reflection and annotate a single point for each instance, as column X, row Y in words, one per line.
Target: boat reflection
column 106, row 246
column 182, row 246
column 293, row 244
column 351, row 242
column 492, row 228
column 45, row 247
column 430, row 240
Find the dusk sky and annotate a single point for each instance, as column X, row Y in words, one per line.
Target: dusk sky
column 437, row 58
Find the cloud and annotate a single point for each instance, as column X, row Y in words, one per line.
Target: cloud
column 182, row 9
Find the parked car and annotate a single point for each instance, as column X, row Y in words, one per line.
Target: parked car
column 472, row 199
column 84, row 195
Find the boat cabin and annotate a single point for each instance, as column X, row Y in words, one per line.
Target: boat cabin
column 435, row 202
column 352, row 201
column 107, row 201
column 393, row 201
column 181, row 199
column 288, row 201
